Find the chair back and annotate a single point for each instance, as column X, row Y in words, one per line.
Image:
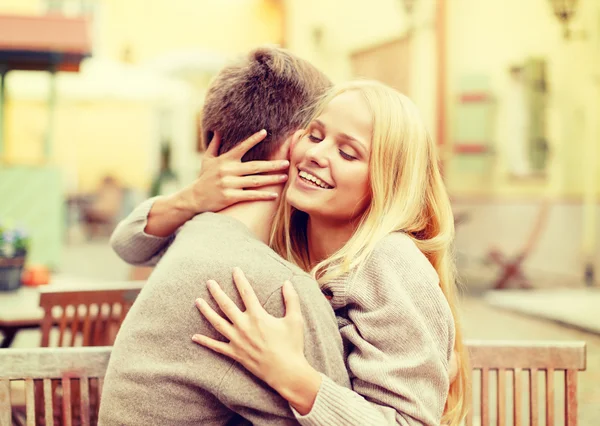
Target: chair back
column 526, row 383
column 88, row 317
column 68, row 369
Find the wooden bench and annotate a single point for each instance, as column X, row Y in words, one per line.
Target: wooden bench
column 83, row 366
column 518, row 381
column 497, row 360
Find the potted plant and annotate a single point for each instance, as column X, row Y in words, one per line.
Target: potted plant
column 14, row 244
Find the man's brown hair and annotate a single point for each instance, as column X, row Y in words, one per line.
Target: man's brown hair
column 269, row 89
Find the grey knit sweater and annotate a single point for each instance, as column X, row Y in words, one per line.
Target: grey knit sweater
column 396, row 325
column 158, row 376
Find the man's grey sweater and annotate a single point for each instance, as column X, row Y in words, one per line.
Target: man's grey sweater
column 158, row 376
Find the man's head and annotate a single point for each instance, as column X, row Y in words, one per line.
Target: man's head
column 269, row 89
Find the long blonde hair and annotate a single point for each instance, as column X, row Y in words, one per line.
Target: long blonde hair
column 408, row 195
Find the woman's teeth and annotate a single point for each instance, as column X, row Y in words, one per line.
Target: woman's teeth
column 307, row 177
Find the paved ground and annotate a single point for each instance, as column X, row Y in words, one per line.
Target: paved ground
column 577, row 307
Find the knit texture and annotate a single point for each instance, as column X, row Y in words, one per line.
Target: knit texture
column 158, row 376
column 395, row 323
column 398, row 334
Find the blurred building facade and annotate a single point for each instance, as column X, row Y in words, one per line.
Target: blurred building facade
column 113, row 117
column 534, row 193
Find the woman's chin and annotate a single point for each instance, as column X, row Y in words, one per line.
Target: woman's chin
column 301, row 202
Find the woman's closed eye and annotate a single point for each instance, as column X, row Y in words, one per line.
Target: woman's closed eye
column 347, row 156
column 314, row 138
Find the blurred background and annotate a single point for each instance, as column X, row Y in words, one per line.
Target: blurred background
column 100, row 103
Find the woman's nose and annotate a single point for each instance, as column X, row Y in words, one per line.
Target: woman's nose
column 318, row 154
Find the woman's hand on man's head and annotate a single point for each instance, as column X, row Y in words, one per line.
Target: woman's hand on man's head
column 224, row 180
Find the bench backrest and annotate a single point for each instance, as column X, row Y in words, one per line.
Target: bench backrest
column 85, row 318
column 79, row 370
column 525, row 381
column 493, row 361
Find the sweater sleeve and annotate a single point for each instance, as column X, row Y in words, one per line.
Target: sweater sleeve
column 400, row 332
column 132, row 244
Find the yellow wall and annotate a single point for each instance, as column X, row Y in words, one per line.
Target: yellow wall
column 486, row 38
column 155, row 27
column 24, row 7
column 100, row 136
column 91, row 139
column 483, row 38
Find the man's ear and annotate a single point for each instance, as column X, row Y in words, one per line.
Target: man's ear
column 283, row 153
column 296, row 137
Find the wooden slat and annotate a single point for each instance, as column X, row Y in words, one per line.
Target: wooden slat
column 87, row 326
column 527, row 355
column 84, row 387
column 53, row 363
column 501, row 417
column 484, row 396
column 74, row 325
column 46, row 326
column 30, row 402
column 533, row 398
column 517, row 396
column 550, row 396
column 98, row 326
column 66, row 401
column 62, row 326
column 5, row 413
column 48, row 407
column 107, row 338
column 571, row 397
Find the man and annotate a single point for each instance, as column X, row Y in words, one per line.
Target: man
column 156, row 374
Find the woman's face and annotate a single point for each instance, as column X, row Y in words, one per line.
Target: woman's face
column 329, row 171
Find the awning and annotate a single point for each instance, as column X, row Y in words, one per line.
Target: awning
column 48, row 42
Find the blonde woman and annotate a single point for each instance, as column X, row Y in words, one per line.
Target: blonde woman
column 367, row 213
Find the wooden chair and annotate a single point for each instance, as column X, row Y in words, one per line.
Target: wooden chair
column 88, row 317
column 53, row 367
column 501, row 371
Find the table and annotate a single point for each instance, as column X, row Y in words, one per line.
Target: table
column 20, row 309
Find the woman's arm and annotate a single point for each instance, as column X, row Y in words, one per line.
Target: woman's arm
column 143, row 236
column 401, row 334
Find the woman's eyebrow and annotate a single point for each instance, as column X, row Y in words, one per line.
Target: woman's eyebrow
column 348, row 138
column 320, row 124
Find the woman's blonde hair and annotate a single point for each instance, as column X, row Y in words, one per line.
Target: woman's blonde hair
column 408, row 195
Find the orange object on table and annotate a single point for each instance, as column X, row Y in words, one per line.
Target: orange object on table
column 35, row 275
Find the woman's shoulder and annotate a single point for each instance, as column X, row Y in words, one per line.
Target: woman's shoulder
column 400, row 252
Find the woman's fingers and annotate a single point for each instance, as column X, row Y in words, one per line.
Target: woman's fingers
column 225, row 303
column 292, row 302
column 215, row 345
column 246, row 292
column 240, row 182
column 219, row 324
column 238, row 195
column 212, row 150
column 239, row 151
column 256, row 167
